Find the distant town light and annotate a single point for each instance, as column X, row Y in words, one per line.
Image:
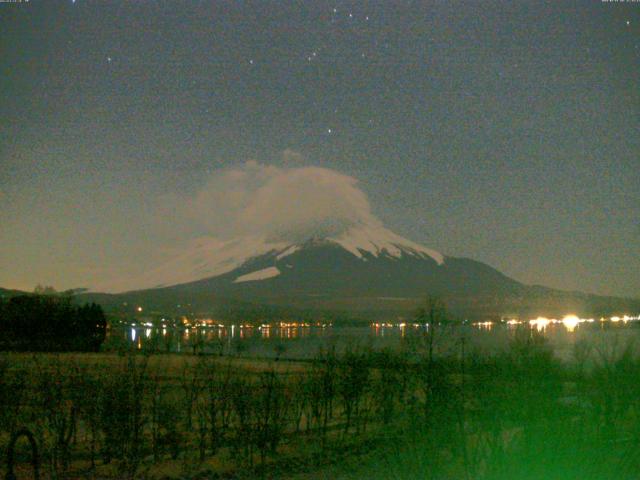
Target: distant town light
column 483, row 325
column 540, row 323
column 571, row 322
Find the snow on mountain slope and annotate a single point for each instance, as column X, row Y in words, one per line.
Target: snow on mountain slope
column 288, row 251
column 376, row 239
column 209, row 257
column 263, row 274
column 202, row 258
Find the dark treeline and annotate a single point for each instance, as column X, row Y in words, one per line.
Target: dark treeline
column 50, row 322
column 422, row 411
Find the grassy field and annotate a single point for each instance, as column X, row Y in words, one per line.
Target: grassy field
column 405, row 414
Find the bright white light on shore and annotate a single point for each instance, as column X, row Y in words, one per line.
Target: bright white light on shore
column 139, row 309
column 540, row 323
column 483, row 325
column 571, row 322
column 625, row 318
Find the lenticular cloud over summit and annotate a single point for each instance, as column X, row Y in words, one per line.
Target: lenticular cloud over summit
column 290, row 204
column 255, row 210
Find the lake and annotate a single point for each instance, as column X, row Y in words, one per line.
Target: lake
column 302, row 341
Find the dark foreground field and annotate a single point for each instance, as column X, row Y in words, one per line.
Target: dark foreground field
column 412, row 413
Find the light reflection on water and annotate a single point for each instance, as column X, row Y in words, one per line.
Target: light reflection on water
column 305, row 341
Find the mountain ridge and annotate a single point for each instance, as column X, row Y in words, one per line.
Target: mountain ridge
column 368, row 270
column 373, row 278
column 209, row 257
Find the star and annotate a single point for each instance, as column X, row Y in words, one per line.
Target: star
column 251, row 61
column 329, row 130
column 628, row 23
column 109, row 59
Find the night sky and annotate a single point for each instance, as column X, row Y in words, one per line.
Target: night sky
column 508, row 132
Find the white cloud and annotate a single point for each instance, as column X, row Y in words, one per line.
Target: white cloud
column 256, row 204
column 291, row 202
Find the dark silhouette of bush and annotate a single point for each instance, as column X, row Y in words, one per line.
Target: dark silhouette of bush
column 50, row 323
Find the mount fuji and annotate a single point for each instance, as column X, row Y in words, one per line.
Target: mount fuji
column 365, row 268
column 210, row 257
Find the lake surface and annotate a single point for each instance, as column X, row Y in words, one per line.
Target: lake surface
column 296, row 341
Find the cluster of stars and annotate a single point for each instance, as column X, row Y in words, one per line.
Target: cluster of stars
column 315, row 54
column 342, row 22
column 350, row 15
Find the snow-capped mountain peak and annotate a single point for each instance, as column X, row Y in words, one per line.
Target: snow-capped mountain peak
column 377, row 239
column 209, row 257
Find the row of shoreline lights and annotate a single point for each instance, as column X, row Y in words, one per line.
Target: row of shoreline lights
column 569, row 321
column 210, row 324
